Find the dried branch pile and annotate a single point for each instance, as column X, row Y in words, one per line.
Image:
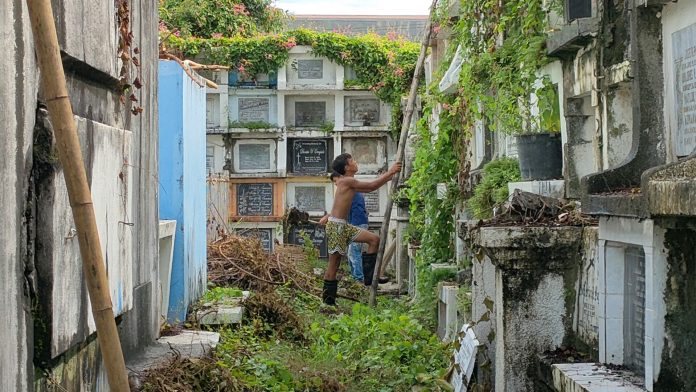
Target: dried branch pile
column 526, row 208
column 242, row 262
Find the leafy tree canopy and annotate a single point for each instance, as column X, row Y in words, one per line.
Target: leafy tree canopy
column 217, row 18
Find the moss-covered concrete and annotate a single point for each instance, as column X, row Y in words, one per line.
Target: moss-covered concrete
column 679, row 355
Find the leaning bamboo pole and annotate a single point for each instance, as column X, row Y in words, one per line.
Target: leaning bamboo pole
column 405, row 125
column 60, row 112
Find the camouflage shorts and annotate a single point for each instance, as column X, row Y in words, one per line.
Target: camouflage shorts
column 340, row 234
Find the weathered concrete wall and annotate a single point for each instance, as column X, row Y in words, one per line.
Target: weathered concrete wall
column 63, row 297
column 18, row 83
column 141, row 325
column 676, row 372
column 46, row 312
column 182, row 182
column 536, row 270
column 585, row 323
column 483, row 312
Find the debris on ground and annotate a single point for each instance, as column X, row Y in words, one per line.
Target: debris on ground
column 242, row 262
column 529, row 209
column 275, row 311
column 184, row 374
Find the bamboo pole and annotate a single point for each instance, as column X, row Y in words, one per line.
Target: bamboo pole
column 60, row 112
column 405, row 125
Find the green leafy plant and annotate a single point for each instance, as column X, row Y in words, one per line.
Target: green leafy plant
column 252, row 125
column 327, row 127
column 503, row 45
column 221, row 295
column 383, row 65
column 207, row 18
column 493, row 188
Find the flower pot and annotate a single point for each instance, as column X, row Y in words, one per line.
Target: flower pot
column 540, row 156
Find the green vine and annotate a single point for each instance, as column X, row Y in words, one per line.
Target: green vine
column 383, row 65
column 503, row 50
column 503, row 45
column 206, row 18
column 492, row 191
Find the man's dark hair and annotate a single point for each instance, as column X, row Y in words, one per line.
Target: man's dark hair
column 339, row 165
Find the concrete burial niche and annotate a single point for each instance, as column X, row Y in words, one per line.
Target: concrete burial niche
column 536, row 271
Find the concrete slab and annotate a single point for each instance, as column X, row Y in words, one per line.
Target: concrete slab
column 549, row 188
column 220, row 315
column 593, row 377
column 193, row 344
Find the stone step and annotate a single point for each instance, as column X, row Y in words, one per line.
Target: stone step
column 593, row 377
column 222, row 314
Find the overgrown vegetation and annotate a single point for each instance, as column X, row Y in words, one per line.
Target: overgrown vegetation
column 208, row 19
column 383, row 65
column 503, row 47
column 492, row 191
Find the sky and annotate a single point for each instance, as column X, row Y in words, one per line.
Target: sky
column 355, row 7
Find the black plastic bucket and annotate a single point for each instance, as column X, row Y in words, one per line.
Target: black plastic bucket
column 540, row 156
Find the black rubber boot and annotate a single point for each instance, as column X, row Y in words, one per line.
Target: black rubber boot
column 328, row 294
column 368, row 263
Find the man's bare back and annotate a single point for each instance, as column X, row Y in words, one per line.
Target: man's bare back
column 347, row 185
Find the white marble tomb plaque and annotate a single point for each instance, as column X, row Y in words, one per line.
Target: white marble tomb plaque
column 684, row 54
column 254, row 156
column 253, row 109
column 310, row 69
column 310, row 198
column 363, row 109
column 364, row 151
column 372, row 201
column 310, row 114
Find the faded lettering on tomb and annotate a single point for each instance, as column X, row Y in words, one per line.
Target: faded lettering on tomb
column 310, row 198
column 310, row 114
column 363, row 110
column 364, row 151
column 310, row 69
column 253, row 109
column 254, row 156
column 372, row 201
column 684, row 52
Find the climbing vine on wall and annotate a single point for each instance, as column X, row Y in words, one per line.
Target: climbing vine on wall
column 384, row 65
column 211, row 18
column 503, row 48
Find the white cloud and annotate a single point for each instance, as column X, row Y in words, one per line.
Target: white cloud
column 356, row 7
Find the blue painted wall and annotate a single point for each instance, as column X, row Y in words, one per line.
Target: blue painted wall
column 182, row 182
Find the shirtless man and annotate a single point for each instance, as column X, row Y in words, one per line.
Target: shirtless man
column 339, row 232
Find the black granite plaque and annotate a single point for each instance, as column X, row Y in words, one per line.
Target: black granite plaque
column 310, row 69
column 255, row 199
column 264, row 235
column 253, row 109
column 576, row 9
column 363, row 110
column 310, row 198
column 310, row 114
column 315, row 232
column 684, row 55
column 254, row 156
column 372, row 201
column 309, row 156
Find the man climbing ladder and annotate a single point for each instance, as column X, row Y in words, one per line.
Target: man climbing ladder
column 339, row 232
